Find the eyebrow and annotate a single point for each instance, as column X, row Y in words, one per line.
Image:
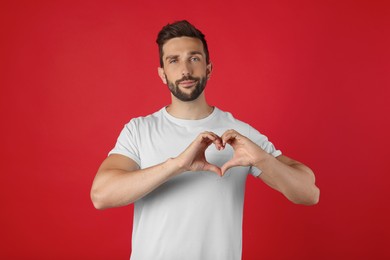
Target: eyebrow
column 190, row 53
column 196, row 52
column 171, row 57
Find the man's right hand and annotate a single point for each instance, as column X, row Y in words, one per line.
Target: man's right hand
column 193, row 158
column 119, row 180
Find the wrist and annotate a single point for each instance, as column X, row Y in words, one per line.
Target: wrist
column 262, row 160
column 175, row 166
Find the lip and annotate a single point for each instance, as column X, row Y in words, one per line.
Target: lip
column 187, row 83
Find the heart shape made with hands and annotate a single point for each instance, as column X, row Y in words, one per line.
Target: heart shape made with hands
column 221, row 158
column 228, row 163
column 244, row 151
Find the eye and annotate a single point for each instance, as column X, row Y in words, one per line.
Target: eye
column 172, row 61
column 194, row 59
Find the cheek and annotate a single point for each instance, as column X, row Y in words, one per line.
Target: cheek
column 168, row 78
column 169, row 73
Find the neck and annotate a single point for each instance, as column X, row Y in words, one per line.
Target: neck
column 191, row 110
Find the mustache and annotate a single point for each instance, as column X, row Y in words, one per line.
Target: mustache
column 186, row 78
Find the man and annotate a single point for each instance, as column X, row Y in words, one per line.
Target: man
column 185, row 166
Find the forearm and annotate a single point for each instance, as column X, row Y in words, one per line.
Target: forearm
column 119, row 182
column 293, row 180
column 117, row 187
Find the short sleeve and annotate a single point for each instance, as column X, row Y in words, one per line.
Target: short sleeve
column 127, row 144
column 262, row 141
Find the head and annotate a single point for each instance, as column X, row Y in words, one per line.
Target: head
column 180, row 29
column 184, row 60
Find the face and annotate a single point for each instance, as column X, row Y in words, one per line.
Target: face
column 185, row 70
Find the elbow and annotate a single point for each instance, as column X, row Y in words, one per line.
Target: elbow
column 103, row 198
column 310, row 199
column 314, row 197
column 97, row 199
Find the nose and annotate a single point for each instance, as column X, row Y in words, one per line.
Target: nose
column 186, row 69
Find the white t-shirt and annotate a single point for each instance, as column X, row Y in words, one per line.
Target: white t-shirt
column 195, row 215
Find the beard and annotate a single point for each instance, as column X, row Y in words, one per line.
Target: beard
column 186, row 97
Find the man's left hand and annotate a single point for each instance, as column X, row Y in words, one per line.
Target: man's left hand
column 246, row 152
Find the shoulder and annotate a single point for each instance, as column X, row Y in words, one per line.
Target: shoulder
column 242, row 127
column 229, row 119
column 142, row 121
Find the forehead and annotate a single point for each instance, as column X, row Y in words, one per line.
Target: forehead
column 182, row 46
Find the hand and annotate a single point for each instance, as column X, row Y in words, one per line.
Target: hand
column 246, row 153
column 193, row 158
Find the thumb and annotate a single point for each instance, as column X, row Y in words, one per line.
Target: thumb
column 212, row 168
column 229, row 164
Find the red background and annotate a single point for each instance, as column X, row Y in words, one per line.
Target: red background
column 311, row 75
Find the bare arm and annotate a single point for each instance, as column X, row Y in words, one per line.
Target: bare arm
column 119, row 181
column 293, row 179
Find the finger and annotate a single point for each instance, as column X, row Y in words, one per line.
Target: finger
column 212, row 137
column 228, row 136
column 207, row 137
column 229, row 132
column 218, row 143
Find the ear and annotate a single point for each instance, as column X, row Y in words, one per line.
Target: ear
column 209, row 69
column 161, row 73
